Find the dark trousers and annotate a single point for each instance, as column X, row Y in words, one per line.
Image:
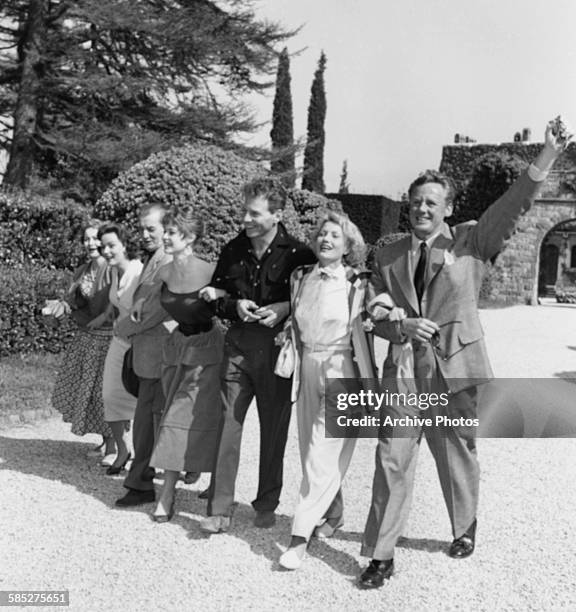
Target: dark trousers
column 149, row 408
column 248, row 372
column 453, row 449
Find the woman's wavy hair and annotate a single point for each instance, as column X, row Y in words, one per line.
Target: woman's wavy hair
column 186, row 219
column 355, row 244
column 114, row 228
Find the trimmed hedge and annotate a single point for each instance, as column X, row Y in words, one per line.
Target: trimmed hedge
column 23, row 328
column 43, row 232
column 211, row 179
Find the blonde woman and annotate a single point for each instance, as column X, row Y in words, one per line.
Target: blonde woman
column 327, row 313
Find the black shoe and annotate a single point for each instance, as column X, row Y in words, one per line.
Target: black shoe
column 135, row 498
column 204, row 494
column 463, row 546
column 113, row 470
column 374, row 575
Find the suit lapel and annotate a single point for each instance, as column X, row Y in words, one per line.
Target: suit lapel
column 151, row 267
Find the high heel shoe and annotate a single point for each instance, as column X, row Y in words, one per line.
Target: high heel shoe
column 114, row 470
column 165, row 518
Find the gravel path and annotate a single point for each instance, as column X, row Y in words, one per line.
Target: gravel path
column 59, row 529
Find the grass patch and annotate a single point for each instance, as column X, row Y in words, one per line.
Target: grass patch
column 26, row 383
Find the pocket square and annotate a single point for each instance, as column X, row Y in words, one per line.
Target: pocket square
column 449, row 258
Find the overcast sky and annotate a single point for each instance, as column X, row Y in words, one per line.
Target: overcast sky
column 403, row 76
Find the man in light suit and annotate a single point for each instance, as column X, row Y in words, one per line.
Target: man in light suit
column 147, row 336
column 435, row 276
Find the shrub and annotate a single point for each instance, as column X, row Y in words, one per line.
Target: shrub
column 43, row 232
column 209, row 177
column 23, row 328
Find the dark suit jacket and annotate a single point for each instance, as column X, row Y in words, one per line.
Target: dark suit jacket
column 456, row 265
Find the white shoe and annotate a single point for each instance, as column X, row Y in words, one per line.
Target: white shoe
column 108, row 460
column 293, row 557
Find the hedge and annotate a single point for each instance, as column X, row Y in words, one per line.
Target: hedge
column 23, row 328
column 43, row 232
column 207, row 177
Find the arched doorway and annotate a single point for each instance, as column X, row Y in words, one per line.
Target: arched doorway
column 557, row 270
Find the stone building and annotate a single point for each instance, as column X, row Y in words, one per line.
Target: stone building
column 540, row 258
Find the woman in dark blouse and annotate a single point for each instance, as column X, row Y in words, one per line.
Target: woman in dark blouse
column 78, row 390
column 191, row 368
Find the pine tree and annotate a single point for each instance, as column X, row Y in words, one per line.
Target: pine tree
column 92, row 87
column 313, row 174
column 344, row 186
column 282, row 133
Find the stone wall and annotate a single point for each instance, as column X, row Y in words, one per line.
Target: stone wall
column 514, row 277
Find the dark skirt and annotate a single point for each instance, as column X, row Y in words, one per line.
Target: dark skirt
column 77, row 393
column 191, row 381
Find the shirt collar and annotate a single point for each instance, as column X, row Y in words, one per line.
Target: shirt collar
column 415, row 246
column 335, row 273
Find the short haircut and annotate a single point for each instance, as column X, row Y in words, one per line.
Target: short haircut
column 433, row 176
column 186, row 219
column 148, row 208
column 269, row 188
column 123, row 237
column 354, row 241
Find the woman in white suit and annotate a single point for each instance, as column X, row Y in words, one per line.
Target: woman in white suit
column 327, row 315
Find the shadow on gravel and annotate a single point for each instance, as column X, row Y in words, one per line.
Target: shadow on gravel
column 424, row 544
column 65, row 462
column 267, row 543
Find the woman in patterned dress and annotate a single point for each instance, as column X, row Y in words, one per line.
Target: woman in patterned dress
column 119, row 405
column 77, row 393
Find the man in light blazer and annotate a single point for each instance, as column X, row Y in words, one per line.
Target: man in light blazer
column 435, row 276
column 147, row 336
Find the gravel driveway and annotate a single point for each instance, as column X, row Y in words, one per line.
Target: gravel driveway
column 59, row 529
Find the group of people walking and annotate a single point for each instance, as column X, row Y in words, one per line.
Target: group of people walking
column 198, row 379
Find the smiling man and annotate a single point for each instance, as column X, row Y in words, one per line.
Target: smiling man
column 254, row 269
column 435, row 276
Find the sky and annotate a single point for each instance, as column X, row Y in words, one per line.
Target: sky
column 403, row 76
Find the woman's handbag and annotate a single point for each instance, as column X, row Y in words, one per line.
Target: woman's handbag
column 286, row 358
column 130, row 380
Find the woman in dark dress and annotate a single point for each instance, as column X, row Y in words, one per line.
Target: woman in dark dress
column 77, row 393
column 191, row 368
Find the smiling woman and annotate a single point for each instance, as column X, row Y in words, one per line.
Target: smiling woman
column 119, row 405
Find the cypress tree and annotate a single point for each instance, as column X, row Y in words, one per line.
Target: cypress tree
column 344, row 186
column 282, row 133
column 313, row 178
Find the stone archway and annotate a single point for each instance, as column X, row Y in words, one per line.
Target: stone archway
column 557, row 267
column 516, row 271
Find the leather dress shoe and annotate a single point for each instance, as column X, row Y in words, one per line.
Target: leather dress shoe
column 215, row 524
column 374, row 575
column 204, row 494
column 134, row 497
column 265, row 519
column 463, row 546
column 326, row 530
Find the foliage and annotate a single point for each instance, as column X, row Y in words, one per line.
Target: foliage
column 313, row 172
column 210, row 178
column 381, row 242
column 282, row 133
column 23, row 328
column 44, row 232
column 97, row 85
column 491, row 176
column 344, row 186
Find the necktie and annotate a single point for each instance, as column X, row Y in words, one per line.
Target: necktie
column 420, row 274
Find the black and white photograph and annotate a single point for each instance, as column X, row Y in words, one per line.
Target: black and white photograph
column 288, row 305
